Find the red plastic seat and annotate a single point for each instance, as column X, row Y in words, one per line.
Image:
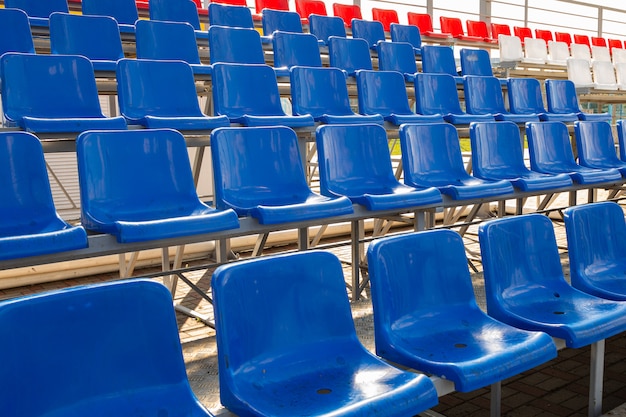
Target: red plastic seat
column 522, row 32
column 307, row 7
column 544, row 34
column 479, row 29
column 563, row 37
column 596, row 41
column 615, row 43
column 454, row 27
column 425, row 24
column 386, row 17
column 347, row 12
column 582, row 39
column 271, row 4
column 498, row 29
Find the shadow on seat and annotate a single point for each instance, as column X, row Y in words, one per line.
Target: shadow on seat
column 562, row 98
column 497, row 154
column 123, row 11
column 426, row 316
column 258, row 172
column 52, row 94
column 525, row 97
column 354, row 161
column 597, row 249
column 349, row 54
column 301, row 358
column 108, row 349
column 323, row 94
column 384, row 93
column 596, row 147
column 161, row 94
column 248, row 94
column 30, row 225
column 137, row 185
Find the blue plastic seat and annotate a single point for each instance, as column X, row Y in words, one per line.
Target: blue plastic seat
column 291, row 49
column 137, row 185
column 182, row 11
column 525, row 97
column 525, row 286
column 431, row 157
column 94, row 37
column 384, row 93
column 38, row 11
column 354, row 162
column 15, row 35
column 237, row 46
column 562, row 99
column 52, row 94
column 110, row 349
column 169, row 41
column 323, row 94
column 407, row 33
column 551, row 152
column 596, row 147
column 426, row 316
column 280, row 20
column 597, row 249
column 248, row 95
column 123, row 11
column 397, row 56
column 229, row 15
column 477, row 62
column 497, row 154
column 161, row 94
column 439, row 59
column 620, row 126
column 437, row 94
column 30, row 224
column 296, row 360
column 323, row 27
column 483, row 95
column 349, row 54
column 259, row 173
column 370, row 30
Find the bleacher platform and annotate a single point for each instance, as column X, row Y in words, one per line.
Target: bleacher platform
column 188, row 122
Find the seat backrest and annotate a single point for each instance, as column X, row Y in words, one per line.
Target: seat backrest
column 382, row 92
column 257, row 166
column 620, row 74
column 582, row 40
column 354, row 159
column 510, row 48
column 522, row 32
column 563, row 37
column 385, row 16
column 166, row 40
column 15, row 35
column 323, row 26
column 123, row 11
column 436, row 94
column 156, row 88
column 475, row 62
column 579, row 72
column 614, row 43
column 525, row 96
column 307, row 7
column 230, row 15
column 520, row 256
column 38, row 8
column 550, row 146
column 175, row 11
column 595, row 143
column 431, row 154
column 535, row 49
column 483, row 95
column 252, row 297
column 261, row 5
column 544, row 34
column 245, row 89
column 451, row 25
column 396, row 56
column 235, row 45
column 406, row 33
column 318, row 91
column 347, row 12
column 620, row 127
column 438, row 59
column 95, row 37
column 498, row 29
column 370, row 30
column 422, row 20
column 48, row 86
column 292, row 49
column 604, row 74
column 580, row 51
column 558, row 52
column 600, row 53
column 155, row 159
column 619, row 55
column 112, row 347
column 239, row 3
column 282, row 20
column 477, row 28
column 561, row 96
column 496, row 149
column 349, row 54
column 597, row 41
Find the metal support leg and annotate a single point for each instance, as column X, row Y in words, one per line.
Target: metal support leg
column 420, row 220
column 355, row 233
column 596, row 378
column 496, row 399
column 303, row 238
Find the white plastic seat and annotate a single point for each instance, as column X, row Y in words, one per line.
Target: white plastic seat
column 579, row 73
column 558, row 53
column 619, row 56
column 620, row 75
column 604, row 75
column 600, row 53
column 535, row 51
column 579, row 51
column 510, row 49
